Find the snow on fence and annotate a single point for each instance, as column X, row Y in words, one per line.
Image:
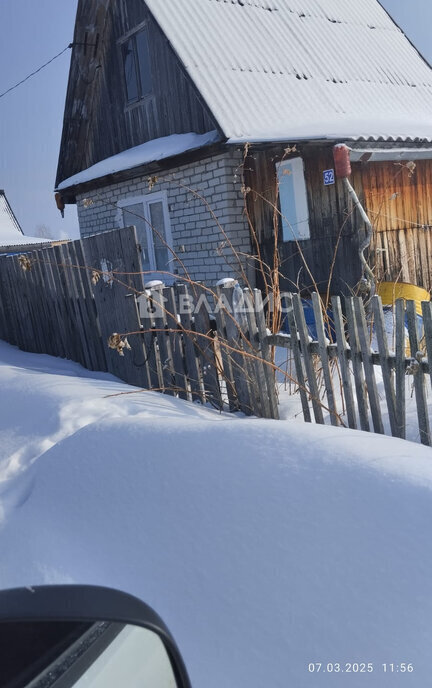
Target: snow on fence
column 338, row 371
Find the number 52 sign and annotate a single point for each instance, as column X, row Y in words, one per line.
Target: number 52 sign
column 329, row 177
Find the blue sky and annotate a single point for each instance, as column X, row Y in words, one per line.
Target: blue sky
column 33, row 31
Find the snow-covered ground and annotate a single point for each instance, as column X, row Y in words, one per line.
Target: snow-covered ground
column 264, row 545
column 290, row 407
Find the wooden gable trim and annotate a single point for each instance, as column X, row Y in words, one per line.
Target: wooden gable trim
column 121, row 126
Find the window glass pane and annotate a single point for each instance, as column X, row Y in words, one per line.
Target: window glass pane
column 162, row 254
column 130, row 69
column 293, row 200
column 134, row 215
column 144, row 62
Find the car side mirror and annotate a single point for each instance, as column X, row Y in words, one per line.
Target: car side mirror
column 86, row 637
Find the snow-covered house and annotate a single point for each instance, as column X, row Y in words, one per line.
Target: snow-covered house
column 12, row 238
column 225, row 98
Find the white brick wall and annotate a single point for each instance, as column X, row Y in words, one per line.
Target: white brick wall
column 206, row 255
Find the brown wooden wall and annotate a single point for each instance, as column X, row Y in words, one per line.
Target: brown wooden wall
column 98, row 122
column 398, row 200
column 334, row 233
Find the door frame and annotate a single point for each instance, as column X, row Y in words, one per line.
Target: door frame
column 146, row 200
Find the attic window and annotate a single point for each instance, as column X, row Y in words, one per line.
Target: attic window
column 136, row 63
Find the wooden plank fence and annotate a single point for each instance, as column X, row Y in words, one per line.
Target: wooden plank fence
column 212, row 345
column 350, row 363
column 71, row 299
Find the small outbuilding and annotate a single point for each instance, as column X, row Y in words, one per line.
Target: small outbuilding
column 12, row 238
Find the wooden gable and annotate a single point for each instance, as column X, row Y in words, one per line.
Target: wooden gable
column 98, row 120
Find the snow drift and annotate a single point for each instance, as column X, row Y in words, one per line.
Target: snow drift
column 264, row 545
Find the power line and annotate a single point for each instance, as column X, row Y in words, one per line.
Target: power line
column 12, row 88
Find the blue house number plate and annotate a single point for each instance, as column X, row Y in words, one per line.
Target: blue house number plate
column 329, row 177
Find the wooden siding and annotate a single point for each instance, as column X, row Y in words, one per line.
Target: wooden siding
column 398, row 200
column 334, row 231
column 98, row 122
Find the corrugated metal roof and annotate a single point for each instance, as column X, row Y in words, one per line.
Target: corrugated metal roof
column 11, row 234
column 22, row 240
column 8, row 223
column 293, row 69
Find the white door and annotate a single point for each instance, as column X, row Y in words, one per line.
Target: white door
column 150, row 216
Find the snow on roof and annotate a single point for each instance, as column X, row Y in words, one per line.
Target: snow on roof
column 8, row 223
column 158, row 149
column 20, row 240
column 301, row 69
column 11, row 234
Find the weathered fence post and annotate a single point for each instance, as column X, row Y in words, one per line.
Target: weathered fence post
column 419, row 379
column 385, row 364
column 400, row 354
column 359, row 380
column 307, row 358
column 166, row 371
column 342, row 349
column 322, row 343
column 239, row 362
column 259, row 363
column 372, row 391
column 206, row 347
column 265, row 348
column 176, row 343
column 186, row 306
column 427, row 324
column 297, row 359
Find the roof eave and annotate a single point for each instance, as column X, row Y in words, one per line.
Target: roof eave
column 70, row 193
column 320, row 139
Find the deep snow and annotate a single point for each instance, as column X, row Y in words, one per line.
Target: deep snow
column 264, row 545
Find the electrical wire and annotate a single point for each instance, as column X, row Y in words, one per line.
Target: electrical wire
column 12, row 88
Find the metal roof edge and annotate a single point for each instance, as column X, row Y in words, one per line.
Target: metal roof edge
column 406, row 35
column 389, row 154
column 11, row 212
column 327, row 139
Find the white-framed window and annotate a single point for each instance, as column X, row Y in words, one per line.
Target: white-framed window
column 149, row 213
column 293, row 200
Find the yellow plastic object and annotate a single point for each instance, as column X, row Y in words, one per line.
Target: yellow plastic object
column 391, row 291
